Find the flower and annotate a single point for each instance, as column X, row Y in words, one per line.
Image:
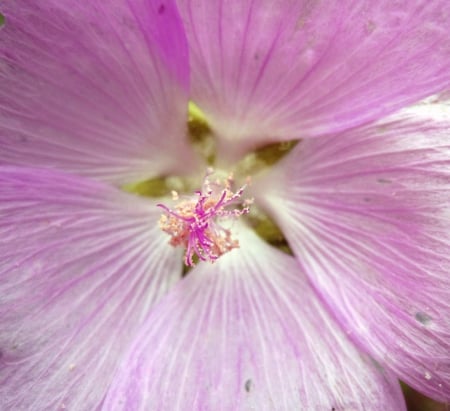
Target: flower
column 95, row 312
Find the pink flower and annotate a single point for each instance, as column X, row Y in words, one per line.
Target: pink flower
column 94, row 310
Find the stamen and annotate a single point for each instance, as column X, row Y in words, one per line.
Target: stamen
column 194, row 223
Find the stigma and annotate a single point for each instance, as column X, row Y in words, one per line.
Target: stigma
column 196, row 222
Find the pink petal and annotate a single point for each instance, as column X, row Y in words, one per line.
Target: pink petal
column 81, row 265
column 94, row 87
column 265, row 71
column 367, row 215
column 247, row 333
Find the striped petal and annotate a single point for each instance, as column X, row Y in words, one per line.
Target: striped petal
column 97, row 87
column 247, row 333
column 367, row 215
column 265, row 70
column 80, row 267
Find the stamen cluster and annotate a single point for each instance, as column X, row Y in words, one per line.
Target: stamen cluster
column 194, row 223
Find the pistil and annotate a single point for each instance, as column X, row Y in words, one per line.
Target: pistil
column 195, row 223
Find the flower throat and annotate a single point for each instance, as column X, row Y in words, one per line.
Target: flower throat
column 199, row 215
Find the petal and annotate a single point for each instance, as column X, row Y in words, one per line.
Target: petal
column 366, row 214
column 81, row 265
column 97, row 87
column 264, row 71
column 247, row 333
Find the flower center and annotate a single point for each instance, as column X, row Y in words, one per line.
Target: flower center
column 201, row 222
column 196, row 223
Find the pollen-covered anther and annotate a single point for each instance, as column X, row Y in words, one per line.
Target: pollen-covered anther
column 194, row 223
